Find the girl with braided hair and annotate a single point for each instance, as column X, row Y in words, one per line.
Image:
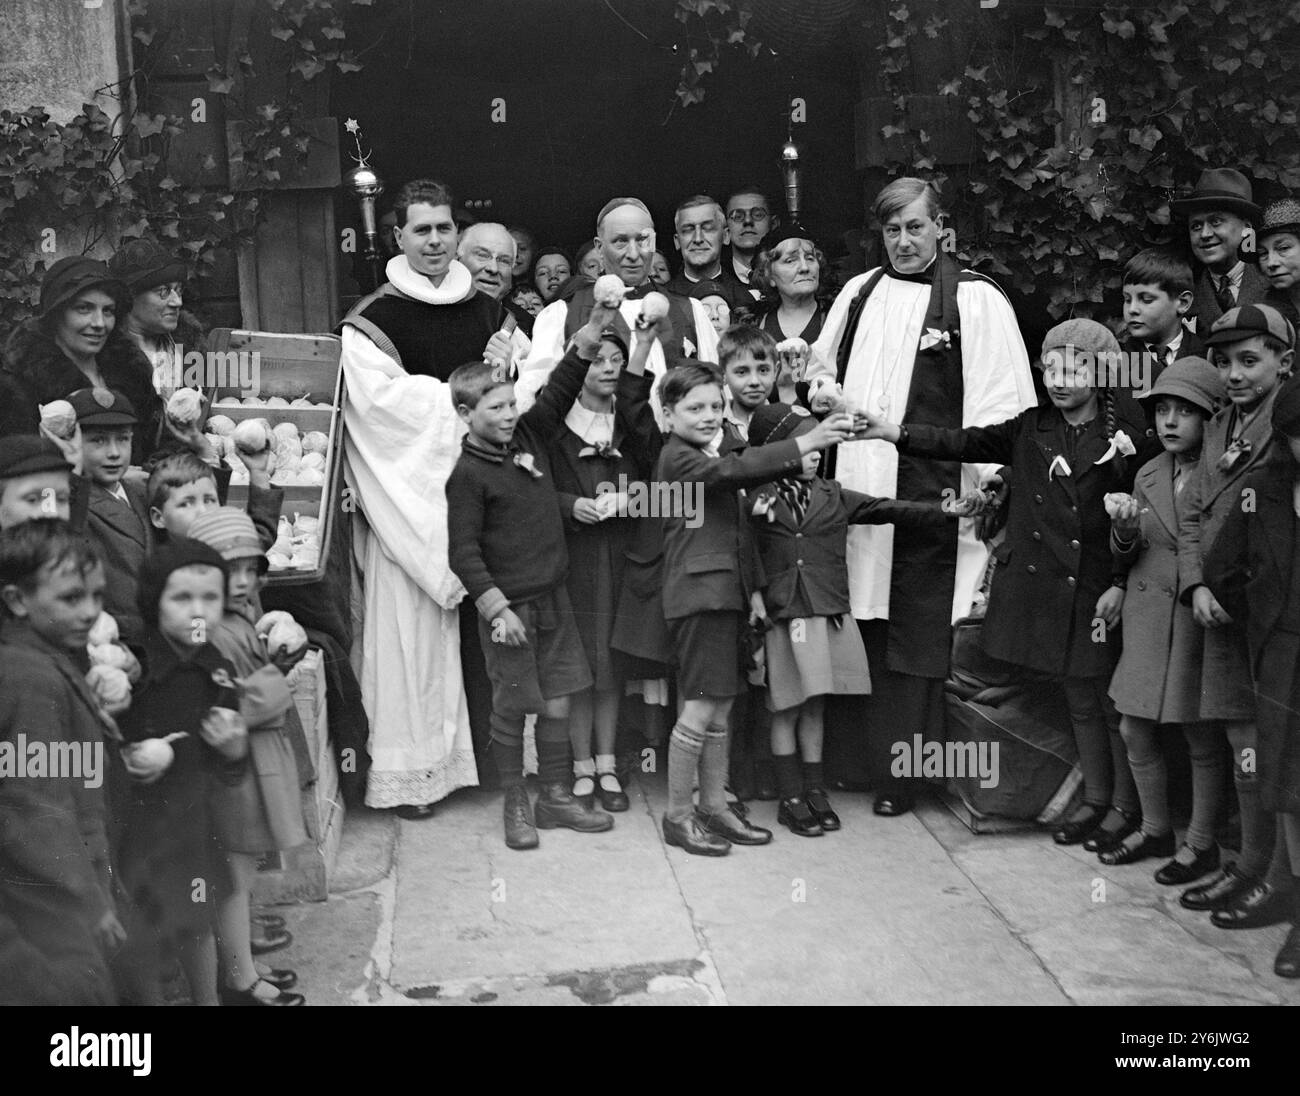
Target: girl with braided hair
column 1055, row 598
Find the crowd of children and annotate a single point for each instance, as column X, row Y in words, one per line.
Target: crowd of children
column 1150, row 566
column 131, row 633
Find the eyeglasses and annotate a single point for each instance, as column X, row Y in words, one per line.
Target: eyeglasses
column 501, row 262
column 740, row 216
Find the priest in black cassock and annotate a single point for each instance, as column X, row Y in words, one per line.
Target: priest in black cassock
column 917, row 340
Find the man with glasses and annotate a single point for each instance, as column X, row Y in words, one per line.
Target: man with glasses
column 699, row 231
column 625, row 240
column 749, row 219
column 488, row 251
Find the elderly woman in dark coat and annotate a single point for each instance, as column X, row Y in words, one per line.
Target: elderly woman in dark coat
column 68, row 345
column 791, row 271
column 157, row 333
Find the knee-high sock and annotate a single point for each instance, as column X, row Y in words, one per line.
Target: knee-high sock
column 1205, row 748
column 713, row 769
column 685, row 745
column 1092, row 738
column 508, row 748
column 1150, row 773
column 1258, row 828
column 554, row 754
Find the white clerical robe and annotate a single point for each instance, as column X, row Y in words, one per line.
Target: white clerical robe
column 548, row 348
column 402, row 439
column 997, row 385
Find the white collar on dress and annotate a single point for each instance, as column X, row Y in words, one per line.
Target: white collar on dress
column 456, row 286
column 593, row 427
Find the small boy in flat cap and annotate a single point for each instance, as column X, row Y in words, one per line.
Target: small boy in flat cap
column 34, row 477
column 1251, row 348
column 118, row 519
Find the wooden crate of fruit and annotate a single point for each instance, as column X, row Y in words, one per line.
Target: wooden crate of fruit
column 299, row 401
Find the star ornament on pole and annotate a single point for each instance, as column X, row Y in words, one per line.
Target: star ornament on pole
column 365, row 183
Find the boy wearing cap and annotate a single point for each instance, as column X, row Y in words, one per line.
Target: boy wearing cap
column 1251, row 348
column 118, row 519
column 34, row 483
column 1158, row 679
column 1254, row 567
column 1219, row 210
column 1279, row 255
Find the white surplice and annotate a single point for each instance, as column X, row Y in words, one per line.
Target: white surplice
column 402, row 439
column 997, row 385
column 548, row 348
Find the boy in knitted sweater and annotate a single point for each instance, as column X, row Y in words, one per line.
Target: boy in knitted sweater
column 506, row 544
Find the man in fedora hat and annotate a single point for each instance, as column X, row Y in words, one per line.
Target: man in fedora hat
column 1219, row 210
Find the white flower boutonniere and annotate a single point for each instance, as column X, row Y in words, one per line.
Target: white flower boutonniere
column 528, row 464
column 1059, row 467
column 1120, row 443
column 933, row 337
column 763, row 507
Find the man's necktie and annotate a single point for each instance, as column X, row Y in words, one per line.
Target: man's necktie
column 1223, row 293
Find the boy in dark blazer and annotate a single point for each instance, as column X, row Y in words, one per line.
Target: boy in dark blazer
column 118, row 519
column 705, row 596
column 1157, row 295
column 1254, row 570
column 1251, row 348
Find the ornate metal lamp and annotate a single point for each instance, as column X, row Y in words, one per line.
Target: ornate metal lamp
column 366, row 184
column 790, row 170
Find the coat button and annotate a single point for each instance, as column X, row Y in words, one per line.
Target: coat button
column 1071, row 581
column 800, row 562
column 1038, row 498
column 1168, row 592
column 798, row 535
column 1038, row 535
column 1074, row 544
column 1032, row 569
column 1142, row 585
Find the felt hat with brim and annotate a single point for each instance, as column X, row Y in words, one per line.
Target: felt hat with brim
column 143, row 264
column 1219, row 188
column 102, row 407
column 28, row 455
column 69, row 278
column 1192, row 379
column 1250, row 319
column 1280, row 216
column 773, row 422
column 613, row 336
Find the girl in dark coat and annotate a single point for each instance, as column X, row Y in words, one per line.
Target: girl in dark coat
column 1052, row 591
column 1253, row 570
column 594, row 462
column 187, row 734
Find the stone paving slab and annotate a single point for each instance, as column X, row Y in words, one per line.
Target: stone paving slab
column 468, row 907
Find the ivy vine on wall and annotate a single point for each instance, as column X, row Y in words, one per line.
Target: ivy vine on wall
column 1088, row 120
column 103, row 177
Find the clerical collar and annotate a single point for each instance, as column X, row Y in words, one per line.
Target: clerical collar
column 924, row 276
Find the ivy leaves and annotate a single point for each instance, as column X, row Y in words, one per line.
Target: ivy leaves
column 1087, row 135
